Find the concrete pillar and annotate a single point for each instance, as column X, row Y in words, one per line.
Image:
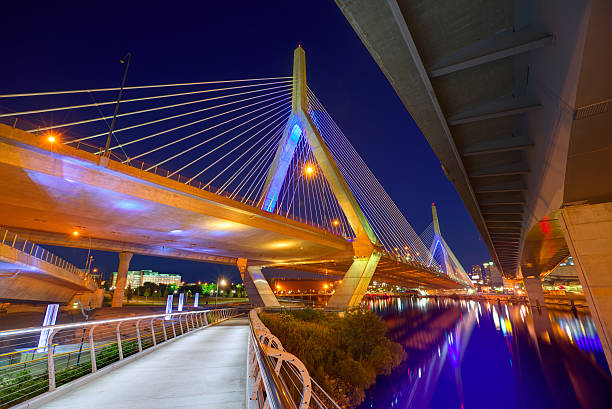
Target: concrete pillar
column 533, row 286
column 588, row 234
column 355, row 283
column 256, row 286
column 124, row 266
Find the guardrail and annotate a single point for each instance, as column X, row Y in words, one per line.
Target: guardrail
column 278, row 379
column 25, row 246
column 38, row 360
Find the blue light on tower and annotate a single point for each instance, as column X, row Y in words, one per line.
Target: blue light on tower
column 284, row 159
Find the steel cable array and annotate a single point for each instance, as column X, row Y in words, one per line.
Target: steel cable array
column 222, row 136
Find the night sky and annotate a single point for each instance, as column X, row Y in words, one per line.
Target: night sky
column 59, row 45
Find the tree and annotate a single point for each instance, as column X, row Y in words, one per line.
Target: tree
column 129, row 292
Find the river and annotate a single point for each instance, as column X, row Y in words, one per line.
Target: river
column 481, row 355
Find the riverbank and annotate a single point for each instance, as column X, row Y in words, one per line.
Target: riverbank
column 344, row 354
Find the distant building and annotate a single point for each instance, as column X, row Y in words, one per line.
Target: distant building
column 138, row 278
column 495, row 279
column 476, row 274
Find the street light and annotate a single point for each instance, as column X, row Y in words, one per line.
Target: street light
column 125, row 60
column 219, row 283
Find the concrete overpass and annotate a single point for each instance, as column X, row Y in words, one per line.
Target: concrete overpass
column 57, row 190
column 514, row 98
column 30, row 273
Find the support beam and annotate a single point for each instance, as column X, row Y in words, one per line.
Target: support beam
column 533, row 286
column 502, row 209
column 506, row 218
column 503, row 199
column 124, row 266
column 355, row 283
column 501, row 45
column 263, row 295
column 497, row 145
column 256, row 286
column 498, row 108
column 513, row 186
column 588, row 233
column 509, row 169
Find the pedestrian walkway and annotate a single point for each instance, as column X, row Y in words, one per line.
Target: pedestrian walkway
column 206, row 369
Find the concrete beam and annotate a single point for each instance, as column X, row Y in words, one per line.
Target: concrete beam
column 509, row 169
column 258, row 289
column 58, row 239
column 498, row 108
column 512, row 186
column 496, row 145
column 505, row 199
column 502, row 209
column 120, row 284
column 354, row 283
column 505, row 219
column 501, row 45
column 504, row 228
column 588, row 232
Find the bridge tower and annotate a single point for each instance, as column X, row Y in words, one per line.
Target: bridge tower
column 366, row 255
column 451, row 264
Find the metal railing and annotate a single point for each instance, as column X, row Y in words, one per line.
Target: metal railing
column 37, row 360
column 278, row 379
column 25, row 246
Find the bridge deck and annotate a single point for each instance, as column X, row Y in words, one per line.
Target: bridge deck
column 206, row 369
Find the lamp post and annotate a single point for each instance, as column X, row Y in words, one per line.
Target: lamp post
column 222, row 282
column 125, row 60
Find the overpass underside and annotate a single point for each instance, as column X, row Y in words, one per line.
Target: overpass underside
column 52, row 193
column 388, row 270
column 515, row 99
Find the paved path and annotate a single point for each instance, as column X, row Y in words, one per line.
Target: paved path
column 206, row 369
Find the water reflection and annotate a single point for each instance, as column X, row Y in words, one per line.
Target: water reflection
column 467, row 354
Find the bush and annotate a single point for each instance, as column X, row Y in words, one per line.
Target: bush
column 343, row 354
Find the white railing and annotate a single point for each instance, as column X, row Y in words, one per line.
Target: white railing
column 25, row 246
column 278, row 379
column 76, row 349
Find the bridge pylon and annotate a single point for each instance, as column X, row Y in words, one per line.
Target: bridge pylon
column 451, row 264
column 301, row 124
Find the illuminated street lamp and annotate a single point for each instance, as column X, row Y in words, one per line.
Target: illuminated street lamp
column 219, row 283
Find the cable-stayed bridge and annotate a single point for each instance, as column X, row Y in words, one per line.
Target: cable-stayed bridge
column 251, row 172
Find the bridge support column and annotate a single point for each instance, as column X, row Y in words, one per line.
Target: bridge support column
column 256, row 286
column 588, row 234
column 355, row 283
column 533, row 286
column 124, row 266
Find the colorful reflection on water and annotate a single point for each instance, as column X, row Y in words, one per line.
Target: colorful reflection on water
column 468, row 354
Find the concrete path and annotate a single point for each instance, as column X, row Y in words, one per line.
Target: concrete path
column 206, row 369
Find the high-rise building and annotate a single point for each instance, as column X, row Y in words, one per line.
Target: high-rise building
column 139, row 277
column 476, row 274
column 493, row 275
column 486, row 273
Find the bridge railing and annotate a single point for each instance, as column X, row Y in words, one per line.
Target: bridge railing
column 278, row 379
column 38, row 360
column 23, row 245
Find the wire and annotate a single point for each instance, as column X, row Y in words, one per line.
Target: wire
column 139, row 87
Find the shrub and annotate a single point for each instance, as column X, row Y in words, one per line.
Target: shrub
column 343, row 354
